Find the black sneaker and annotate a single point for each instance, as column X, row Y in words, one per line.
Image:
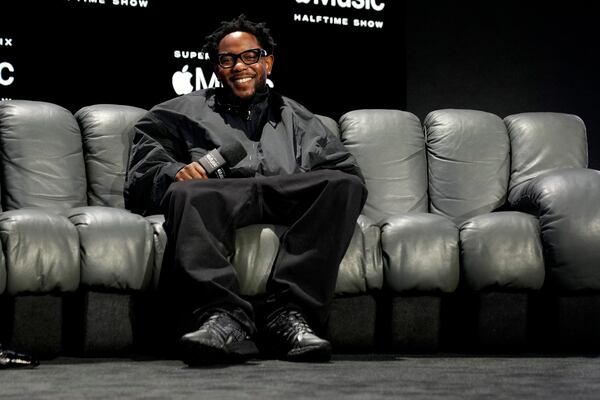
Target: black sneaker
column 12, row 359
column 293, row 340
column 220, row 340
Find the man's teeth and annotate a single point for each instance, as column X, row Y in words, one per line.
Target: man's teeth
column 243, row 80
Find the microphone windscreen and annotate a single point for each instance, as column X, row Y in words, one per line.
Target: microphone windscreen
column 232, row 152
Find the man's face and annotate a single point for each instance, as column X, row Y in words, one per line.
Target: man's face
column 243, row 80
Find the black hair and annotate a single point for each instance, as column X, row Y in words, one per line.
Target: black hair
column 239, row 24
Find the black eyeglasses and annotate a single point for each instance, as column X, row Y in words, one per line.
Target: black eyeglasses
column 248, row 57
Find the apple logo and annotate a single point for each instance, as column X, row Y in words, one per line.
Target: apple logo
column 182, row 81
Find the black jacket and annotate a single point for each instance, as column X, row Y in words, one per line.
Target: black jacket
column 279, row 135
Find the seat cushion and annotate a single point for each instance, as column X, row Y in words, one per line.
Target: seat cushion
column 256, row 248
column 41, row 250
column 420, row 253
column 116, row 248
column 502, row 250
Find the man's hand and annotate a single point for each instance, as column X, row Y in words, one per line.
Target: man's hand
column 191, row 171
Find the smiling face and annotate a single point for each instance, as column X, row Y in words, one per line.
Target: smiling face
column 243, row 80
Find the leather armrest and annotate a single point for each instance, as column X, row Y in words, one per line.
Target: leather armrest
column 567, row 203
column 256, row 248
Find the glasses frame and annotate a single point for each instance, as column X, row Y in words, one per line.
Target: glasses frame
column 261, row 53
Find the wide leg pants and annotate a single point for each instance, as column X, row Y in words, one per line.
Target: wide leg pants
column 319, row 210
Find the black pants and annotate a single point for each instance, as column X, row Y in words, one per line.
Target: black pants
column 319, row 210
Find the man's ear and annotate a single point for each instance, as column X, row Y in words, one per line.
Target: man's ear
column 269, row 60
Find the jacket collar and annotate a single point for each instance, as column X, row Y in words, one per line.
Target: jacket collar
column 225, row 102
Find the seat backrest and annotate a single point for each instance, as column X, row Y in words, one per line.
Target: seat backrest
column 545, row 141
column 390, row 149
column 41, row 156
column 106, row 130
column 468, row 162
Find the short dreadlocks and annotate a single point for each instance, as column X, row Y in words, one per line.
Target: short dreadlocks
column 239, row 24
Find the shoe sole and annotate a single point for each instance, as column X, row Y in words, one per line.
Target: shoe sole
column 199, row 354
column 321, row 353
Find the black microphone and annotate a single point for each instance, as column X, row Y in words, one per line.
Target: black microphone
column 216, row 161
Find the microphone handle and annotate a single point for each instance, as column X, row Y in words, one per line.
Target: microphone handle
column 212, row 161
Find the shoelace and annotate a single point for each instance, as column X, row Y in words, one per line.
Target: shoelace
column 289, row 325
column 224, row 326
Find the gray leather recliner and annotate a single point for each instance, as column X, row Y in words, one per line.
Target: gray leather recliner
column 468, row 217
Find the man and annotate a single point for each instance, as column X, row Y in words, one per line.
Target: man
column 296, row 173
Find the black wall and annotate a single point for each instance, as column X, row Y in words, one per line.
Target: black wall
column 82, row 52
column 505, row 57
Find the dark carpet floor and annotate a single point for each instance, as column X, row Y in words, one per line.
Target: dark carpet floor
column 345, row 377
